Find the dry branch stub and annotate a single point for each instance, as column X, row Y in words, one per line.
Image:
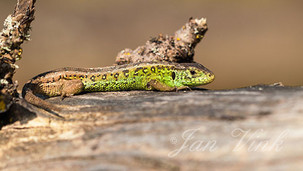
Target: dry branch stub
column 178, row 48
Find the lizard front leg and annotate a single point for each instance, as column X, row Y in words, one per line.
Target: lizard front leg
column 183, row 88
column 157, row 85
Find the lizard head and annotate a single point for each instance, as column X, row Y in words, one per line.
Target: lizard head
column 196, row 74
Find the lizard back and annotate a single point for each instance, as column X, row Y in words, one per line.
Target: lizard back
column 116, row 78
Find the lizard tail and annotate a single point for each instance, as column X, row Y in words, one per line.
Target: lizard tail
column 30, row 97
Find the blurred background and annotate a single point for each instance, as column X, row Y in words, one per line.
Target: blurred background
column 248, row 42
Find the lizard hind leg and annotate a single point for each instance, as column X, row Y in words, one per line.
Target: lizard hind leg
column 71, row 87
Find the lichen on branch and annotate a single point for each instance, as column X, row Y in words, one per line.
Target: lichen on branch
column 15, row 31
column 178, row 48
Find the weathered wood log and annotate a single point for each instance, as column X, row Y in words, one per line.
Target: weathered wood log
column 251, row 128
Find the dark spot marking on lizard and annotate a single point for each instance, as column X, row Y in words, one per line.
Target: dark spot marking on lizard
column 116, row 75
column 160, row 68
column 85, row 76
column 137, row 71
column 153, row 69
column 126, row 73
column 111, row 74
column 92, row 78
column 173, row 75
column 192, row 72
column 145, row 70
column 104, row 76
column 75, row 75
column 139, row 68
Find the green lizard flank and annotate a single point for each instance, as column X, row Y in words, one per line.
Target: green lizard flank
column 139, row 76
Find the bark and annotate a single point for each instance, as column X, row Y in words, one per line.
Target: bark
column 15, row 32
column 255, row 128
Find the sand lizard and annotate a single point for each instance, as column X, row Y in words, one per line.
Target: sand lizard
column 139, row 76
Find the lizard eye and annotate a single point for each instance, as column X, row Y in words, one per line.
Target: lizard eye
column 192, row 72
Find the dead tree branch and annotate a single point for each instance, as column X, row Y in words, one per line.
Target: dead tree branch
column 178, row 48
column 15, row 31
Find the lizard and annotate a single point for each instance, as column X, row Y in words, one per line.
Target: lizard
column 69, row 81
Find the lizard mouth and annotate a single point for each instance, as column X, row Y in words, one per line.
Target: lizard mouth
column 211, row 77
column 206, row 79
